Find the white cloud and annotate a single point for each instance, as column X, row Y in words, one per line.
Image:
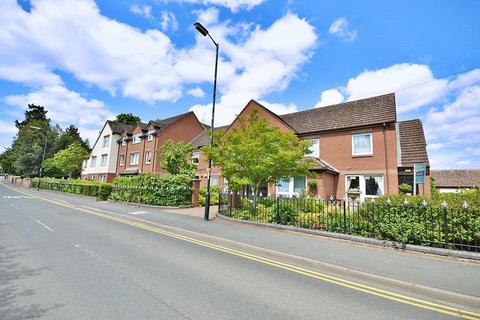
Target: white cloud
column 7, row 128
column 329, row 97
column 340, row 29
column 265, row 62
column 66, row 107
column 168, row 21
column 143, row 10
column 233, row 5
column 196, row 92
column 414, row 84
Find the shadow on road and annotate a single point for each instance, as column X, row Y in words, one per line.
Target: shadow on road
column 11, row 272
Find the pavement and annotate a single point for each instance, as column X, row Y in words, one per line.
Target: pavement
column 69, row 257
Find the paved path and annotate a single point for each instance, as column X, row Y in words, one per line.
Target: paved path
column 66, row 262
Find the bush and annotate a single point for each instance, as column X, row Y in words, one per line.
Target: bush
column 168, row 190
column 76, row 186
column 284, row 213
column 214, row 195
column 405, row 188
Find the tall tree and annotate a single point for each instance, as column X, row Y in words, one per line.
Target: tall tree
column 257, row 153
column 68, row 136
column 33, row 112
column 176, row 157
column 7, row 159
column 128, row 118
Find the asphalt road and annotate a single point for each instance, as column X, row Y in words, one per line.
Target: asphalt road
column 58, row 262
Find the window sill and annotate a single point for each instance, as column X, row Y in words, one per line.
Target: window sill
column 362, row 155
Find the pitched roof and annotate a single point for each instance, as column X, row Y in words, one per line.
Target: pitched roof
column 118, row 127
column 358, row 113
column 320, row 164
column 163, row 123
column 463, row 178
column 203, row 138
column 412, row 146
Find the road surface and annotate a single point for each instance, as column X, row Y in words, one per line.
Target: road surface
column 58, row 261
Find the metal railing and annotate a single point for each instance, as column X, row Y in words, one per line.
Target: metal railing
column 437, row 226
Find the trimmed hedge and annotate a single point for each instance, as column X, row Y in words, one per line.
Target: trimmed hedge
column 168, row 190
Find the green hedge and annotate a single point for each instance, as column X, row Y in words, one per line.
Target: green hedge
column 168, row 190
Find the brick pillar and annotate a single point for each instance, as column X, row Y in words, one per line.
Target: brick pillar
column 196, row 193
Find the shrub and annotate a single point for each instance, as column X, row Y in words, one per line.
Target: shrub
column 405, row 188
column 214, row 196
column 284, row 213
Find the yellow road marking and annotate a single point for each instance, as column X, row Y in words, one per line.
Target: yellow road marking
column 465, row 314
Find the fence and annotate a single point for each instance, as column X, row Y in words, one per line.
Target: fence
column 439, row 226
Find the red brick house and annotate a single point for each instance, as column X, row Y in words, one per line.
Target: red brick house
column 138, row 147
column 356, row 145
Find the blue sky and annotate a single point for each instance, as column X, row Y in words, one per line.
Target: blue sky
column 87, row 61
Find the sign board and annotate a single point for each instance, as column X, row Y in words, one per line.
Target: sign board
column 420, row 173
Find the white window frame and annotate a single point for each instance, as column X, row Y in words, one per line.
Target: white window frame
column 93, row 161
column 104, row 160
column 363, row 186
column 137, row 160
column 106, row 141
column 291, row 186
column 315, row 153
column 148, row 159
column 102, row 178
column 92, row 177
column 85, row 164
column 196, row 158
column 124, row 141
column 371, row 144
column 137, row 138
column 121, row 160
column 150, row 135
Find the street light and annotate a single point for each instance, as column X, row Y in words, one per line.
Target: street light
column 40, row 174
column 205, row 33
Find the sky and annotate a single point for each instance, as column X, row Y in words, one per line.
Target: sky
column 87, row 61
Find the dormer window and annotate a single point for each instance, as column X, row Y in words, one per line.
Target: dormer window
column 136, row 138
column 150, row 135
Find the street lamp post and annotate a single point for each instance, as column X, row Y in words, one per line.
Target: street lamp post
column 40, row 173
column 205, row 33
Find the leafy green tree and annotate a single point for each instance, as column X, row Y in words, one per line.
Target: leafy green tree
column 7, row 158
column 176, row 157
column 70, row 160
column 51, row 170
column 257, row 152
column 128, row 118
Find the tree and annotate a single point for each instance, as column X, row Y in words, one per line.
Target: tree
column 257, row 153
column 7, row 158
column 69, row 136
column 176, row 157
column 70, row 160
column 128, row 118
column 33, row 112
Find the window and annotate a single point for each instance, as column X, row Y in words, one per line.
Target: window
column 102, row 178
column 103, row 160
column 134, row 158
column 195, row 158
column 362, row 144
column 92, row 177
column 93, row 162
column 150, row 135
column 314, row 148
column 136, row 138
column 124, row 141
column 148, row 157
column 291, row 186
column 122, row 160
column 106, row 141
column 367, row 185
column 84, row 164
column 214, row 180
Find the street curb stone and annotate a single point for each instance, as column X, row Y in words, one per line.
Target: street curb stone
column 359, row 239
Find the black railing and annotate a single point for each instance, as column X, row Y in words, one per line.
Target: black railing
column 437, row 226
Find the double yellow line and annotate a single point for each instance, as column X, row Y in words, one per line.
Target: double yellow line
column 444, row 309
